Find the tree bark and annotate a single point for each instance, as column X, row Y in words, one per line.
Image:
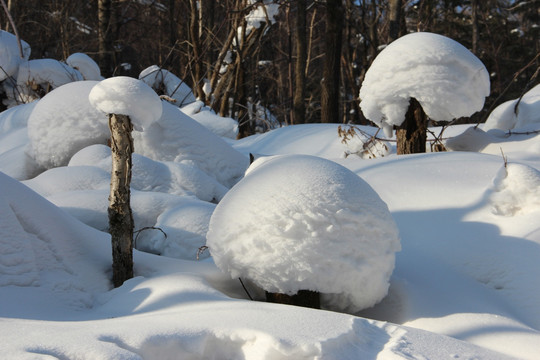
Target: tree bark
column 411, row 135
column 120, row 216
column 330, row 83
column 299, row 105
column 305, row 298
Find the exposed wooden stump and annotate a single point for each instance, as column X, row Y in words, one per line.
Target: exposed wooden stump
column 305, row 298
column 120, row 216
column 411, row 135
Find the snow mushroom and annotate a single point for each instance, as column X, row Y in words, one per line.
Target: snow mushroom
column 299, row 222
column 127, row 96
column 446, row 79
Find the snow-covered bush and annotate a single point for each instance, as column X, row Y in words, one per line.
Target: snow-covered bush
column 507, row 117
column 166, row 83
column 64, row 122
column 299, row 222
column 178, row 138
column 448, row 81
column 10, row 57
column 37, row 77
column 88, row 68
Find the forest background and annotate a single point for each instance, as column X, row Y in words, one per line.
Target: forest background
column 304, row 65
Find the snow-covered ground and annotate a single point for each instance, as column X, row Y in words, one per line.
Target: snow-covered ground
column 466, row 282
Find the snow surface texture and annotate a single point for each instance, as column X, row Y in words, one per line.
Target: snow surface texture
column 507, row 117
column 178, row 138
column 10, row 57
column 123, row 95
column 322, row 229
column 85, row 65
column 165, row 82
column 465, row 285
column 63, row 111
column 446, row 78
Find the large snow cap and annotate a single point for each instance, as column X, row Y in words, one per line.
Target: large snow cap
column 127, row 96
column 63, row 122
column 446, row 78
column 299, row 222
column 10, row 57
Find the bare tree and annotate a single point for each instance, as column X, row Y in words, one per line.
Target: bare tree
column 330, row 84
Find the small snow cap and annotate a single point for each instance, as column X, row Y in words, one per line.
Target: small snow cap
column 127, row 96
column 447, row 80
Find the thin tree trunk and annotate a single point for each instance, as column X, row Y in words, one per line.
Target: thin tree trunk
column 299, row 105
column 105, row 37
column 474, row 15
column 305, row 298
column 120, row 217
column 332, row 64
column 411, row 135
column 395, row 20
column 196, row 59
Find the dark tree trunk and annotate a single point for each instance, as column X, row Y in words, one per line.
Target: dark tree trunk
column 105, row 37
column 332, row 63
column 411, row 135
column 395, row 20
column 300, row 65
column 120, row 217
column 305, row 298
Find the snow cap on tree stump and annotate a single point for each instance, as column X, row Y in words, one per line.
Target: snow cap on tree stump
column 299, row 222
column 124, row 95
column 448, row 80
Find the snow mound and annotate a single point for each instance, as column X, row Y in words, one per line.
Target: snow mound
column 516, row 190
column 182, row 231
column 127, row 96
column 44, row 74
column 221, row 126
column 472, row 139
column 150, row 175
column 322, row 229
column 507, row 117
column 9, row 54
column 178, row 138
column 446, row 78
column 65, row 111
column 53, row 259
column 88, row 68
column 165, row 82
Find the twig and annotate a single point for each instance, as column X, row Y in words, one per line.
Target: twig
column 245, row 289
column 505, row 159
